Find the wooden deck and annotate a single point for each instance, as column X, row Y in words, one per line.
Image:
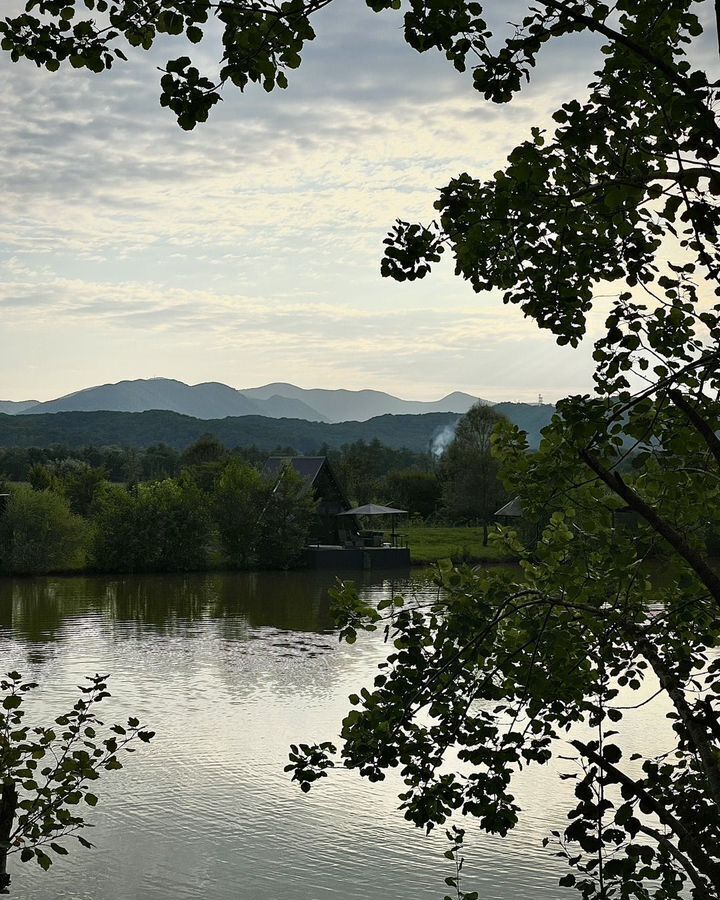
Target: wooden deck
column 330, row 556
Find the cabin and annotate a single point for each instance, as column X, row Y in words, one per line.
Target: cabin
column 337, row 541
column 320, row 479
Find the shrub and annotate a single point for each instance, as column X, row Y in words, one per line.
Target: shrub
column 160, row 526
column 238, row 502
column 39, row 533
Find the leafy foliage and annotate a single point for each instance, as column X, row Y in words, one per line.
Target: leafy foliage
column 505, row 667
column 416, row 491
column 472, row 491
column 238, row 501
column 261, row 42
column 284, row 524
column 39, row 533
column 157, row 526
column 48, row 773
column 363, row 466
column 81, row 485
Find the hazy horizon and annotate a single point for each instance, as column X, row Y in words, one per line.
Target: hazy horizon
column 308, row 387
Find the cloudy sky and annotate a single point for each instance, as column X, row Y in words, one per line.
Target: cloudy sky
column 248, row 250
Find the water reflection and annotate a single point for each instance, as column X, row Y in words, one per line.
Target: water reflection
column 229, row 670
column 35, row 609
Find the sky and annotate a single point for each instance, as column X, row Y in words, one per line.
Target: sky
column 248, row 251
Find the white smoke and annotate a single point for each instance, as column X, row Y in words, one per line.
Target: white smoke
column 442, row 440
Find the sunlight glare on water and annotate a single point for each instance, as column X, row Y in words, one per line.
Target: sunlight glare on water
column 229, row 669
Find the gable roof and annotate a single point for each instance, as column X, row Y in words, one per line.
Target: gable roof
column 307, row 467
column 513, row 509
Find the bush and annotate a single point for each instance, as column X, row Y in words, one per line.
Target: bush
column 39, row 533
column 238, row 502
column 157, row 527
column 285, row 523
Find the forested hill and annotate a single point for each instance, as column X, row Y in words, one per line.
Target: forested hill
column 142, row 429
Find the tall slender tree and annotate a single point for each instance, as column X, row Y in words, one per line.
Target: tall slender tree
column 472, row 490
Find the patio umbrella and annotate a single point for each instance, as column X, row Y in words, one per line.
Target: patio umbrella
column 374, row 509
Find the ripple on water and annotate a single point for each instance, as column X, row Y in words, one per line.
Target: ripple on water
column 229, row 670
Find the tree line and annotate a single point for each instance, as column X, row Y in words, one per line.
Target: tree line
column 461, row 487
column 74, row 518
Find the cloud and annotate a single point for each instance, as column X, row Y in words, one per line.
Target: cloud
column 275, row 337
column 264, row 227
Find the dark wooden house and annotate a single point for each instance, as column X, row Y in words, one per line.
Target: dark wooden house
column 330, row 497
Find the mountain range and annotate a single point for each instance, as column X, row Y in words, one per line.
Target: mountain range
column 13, row 407
column 213, row 400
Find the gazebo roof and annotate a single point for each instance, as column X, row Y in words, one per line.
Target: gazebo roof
column 373, row 509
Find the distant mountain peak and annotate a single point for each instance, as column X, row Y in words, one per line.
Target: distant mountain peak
column 215, row 400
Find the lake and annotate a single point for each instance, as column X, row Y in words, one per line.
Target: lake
column 229, row 669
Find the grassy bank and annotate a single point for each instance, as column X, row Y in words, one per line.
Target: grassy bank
column 428, row 544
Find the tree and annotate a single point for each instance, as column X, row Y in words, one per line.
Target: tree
column 472, row 491
column 48, row 772
column 204, row 461
column 361, row 467
column 41, row 478
column 39, row 533
column 284, row 525
column 238, row 501
column 417, row 492
column 81, row 485
column 159, row 461
column 158, row 526
column 117, row 544
column 207, row 449
column 622, row 195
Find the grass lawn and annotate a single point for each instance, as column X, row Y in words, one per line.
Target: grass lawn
column 428, row 544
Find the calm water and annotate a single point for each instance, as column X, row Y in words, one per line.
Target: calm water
column 229, row 670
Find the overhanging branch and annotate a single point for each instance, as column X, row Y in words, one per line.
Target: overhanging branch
column 661, row 526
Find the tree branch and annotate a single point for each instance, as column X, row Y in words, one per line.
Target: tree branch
column 665, row 841
column 691, row 556
column 696, row 420
column 670, row 683
column 619, row 38
column 688, row 841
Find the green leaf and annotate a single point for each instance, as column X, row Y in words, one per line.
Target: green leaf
column 43, row 859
